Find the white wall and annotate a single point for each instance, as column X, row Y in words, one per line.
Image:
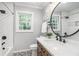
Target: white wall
column 47, row 13
column 48, row 10
column 74, row 16
column 6, row 24
column 63, row 21
column 22, row 40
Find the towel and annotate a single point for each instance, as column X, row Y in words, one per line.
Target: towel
column 44, row 27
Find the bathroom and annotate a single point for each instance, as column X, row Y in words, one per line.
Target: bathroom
column 29, row 29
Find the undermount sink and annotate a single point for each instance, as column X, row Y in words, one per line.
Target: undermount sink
column 59, row 48
column 54, row 44
column 51, row 41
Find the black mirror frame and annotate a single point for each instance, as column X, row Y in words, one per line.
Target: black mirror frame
column 58, row 33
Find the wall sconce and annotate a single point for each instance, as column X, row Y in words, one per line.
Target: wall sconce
column 3, row 11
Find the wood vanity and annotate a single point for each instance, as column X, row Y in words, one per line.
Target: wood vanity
column 52, row 47
column 41, row 51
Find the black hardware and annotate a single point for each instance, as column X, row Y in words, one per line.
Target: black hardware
column 66, row 17
column 60, row 38
column 4, row 37
column 65, row 34
column 3, row 11
column 3, row 43
column 64, row 41
column 56, row 37
column 3, row 48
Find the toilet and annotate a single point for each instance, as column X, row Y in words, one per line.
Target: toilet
column 33, row 48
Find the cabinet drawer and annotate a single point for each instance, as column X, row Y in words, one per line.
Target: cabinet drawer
column 41, row 51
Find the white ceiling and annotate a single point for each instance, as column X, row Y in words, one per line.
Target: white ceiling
column 39, row 5
column 69, row 6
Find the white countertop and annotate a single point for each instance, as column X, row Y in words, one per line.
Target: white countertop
column 56, row 48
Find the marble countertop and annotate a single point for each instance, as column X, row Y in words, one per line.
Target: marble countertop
column 56, row 48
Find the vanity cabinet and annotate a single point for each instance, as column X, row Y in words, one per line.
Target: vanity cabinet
column 41, row 51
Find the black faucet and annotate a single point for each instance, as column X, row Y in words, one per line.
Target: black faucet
column 60, row 38
column 64, row 41
column 56, row 37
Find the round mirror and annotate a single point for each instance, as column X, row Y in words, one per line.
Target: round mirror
column 64, row 20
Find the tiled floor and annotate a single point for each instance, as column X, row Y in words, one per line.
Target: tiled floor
column 25, row 53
